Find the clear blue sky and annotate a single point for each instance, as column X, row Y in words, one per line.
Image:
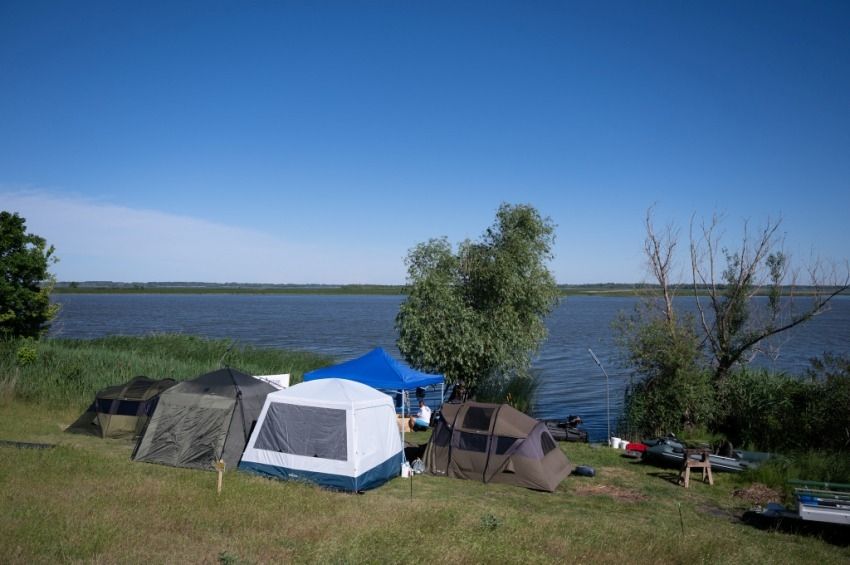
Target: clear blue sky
column 319, row 141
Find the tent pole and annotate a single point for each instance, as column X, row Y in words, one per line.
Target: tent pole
column 403, row 419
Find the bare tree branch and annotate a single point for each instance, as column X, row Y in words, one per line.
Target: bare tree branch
column 758, row 265
column 659, row 251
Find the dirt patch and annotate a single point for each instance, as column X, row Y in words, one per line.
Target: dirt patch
column 619, row 493
column 758, row 494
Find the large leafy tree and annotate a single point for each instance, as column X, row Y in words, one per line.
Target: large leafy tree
column 25, row 282
column 478, row 313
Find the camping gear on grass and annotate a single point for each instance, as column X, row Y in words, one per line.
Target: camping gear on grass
column 584, row 471
column 199, row 422
column 333, row 432
column 669, row 453
column 495, row 443
column 121, row 411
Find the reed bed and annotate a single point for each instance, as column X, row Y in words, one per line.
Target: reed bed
column 66, row 372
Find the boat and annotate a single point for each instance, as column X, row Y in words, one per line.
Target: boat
column 823, row 502
column 566, row 430
column 822, row 509
column 670, row 452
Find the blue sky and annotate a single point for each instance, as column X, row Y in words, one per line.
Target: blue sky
column 292, row 142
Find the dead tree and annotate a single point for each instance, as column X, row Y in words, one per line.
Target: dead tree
column 759, row 267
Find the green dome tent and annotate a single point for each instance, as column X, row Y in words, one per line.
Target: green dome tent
column 121, row 411
column 199, row 422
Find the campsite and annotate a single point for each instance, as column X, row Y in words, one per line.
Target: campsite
column 84, row 499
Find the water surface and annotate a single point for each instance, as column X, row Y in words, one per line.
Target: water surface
column 348, row 326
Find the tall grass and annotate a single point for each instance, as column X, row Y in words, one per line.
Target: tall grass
column 515, row 390
column 821, row 466
column 63, row 372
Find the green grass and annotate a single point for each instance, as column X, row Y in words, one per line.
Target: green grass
column 68, row 372
column 85, row 501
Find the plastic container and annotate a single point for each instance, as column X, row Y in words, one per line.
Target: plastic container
column 615, row 442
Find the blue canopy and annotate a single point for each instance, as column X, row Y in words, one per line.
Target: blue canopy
column 378, row 370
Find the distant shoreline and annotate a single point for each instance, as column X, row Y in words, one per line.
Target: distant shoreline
column 610, row 289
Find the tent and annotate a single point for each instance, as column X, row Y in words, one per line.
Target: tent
column 378, row 370
column 495, row 443
column 121, row 411
column 198, row 422
column 333, row 432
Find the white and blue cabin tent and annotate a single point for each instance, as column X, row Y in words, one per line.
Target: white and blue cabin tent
column 333, row 432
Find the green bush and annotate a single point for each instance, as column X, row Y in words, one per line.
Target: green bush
column 517, row 391
column 811, row 465
column 784, row 413
column 672, row 393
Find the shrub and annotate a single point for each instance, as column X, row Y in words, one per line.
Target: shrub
column 784, row 413
column 672, row 392
column 516, row 390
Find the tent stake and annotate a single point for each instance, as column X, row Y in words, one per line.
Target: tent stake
column 219, row 467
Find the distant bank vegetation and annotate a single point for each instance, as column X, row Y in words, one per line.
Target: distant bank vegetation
column 108, row 287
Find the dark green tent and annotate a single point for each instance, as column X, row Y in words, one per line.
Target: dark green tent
column 198, row 422
column 121, row 411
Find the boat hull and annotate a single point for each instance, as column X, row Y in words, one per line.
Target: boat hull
column 670, row 454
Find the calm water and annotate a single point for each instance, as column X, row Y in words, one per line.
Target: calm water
column 348, row 326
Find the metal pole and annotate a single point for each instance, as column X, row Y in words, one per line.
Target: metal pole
column 607, row 392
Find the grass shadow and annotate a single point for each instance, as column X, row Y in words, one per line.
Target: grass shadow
column 669, row 476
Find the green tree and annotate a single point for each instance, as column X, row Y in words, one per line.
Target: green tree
column 671, row 390
column 477, row 315
column 25, row 283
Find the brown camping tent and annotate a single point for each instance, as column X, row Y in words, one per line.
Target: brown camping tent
column 495, row 443
column 121, row 411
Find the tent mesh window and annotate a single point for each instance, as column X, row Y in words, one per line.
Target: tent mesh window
column 285, row 430
column 472, row 442
column 504, row 443
column 547, row 443
column 478, row 418
column 118, row 406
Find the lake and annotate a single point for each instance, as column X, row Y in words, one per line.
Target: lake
column 348, row 326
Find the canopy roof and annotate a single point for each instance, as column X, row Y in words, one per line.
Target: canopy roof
column 378, row 370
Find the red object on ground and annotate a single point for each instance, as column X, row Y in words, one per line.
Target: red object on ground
column 635, row 447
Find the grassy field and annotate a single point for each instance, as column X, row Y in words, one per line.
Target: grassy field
column 85, row 501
